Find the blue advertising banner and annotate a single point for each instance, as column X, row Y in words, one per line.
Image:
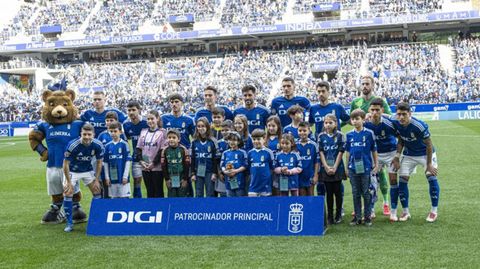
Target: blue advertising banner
column 326, row 7
column 261, row 216
column 51, row 29
column 321, row 67
column 443, row 107
column 181, row 18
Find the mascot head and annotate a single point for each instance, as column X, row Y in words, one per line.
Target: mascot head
column 58, row 107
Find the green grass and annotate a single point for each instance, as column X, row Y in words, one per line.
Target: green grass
column 451, row 242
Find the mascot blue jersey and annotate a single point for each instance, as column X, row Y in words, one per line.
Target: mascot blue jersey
column 57, row 137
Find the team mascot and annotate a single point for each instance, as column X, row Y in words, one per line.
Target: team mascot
column 59, row 126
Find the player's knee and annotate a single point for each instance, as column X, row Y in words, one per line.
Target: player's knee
column 431, row 177
column 137, row 180
column 77, row 196
column 68, row 192
column 57, row 198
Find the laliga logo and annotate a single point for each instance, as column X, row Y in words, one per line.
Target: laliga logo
column 132, row 216
column 295, row 218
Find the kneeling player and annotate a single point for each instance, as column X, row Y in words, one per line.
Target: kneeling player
column 77, row 166
column 417, row 147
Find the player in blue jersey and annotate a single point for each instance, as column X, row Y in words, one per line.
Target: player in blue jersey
column 234, row 164
column 204, row 168
column 272, row 142
column 210, row 98
column 256, row 114
column 57, row 137
column 362, row 161
column 331, row 143
column 281, row 104
column 227, row 126
column 77, row 166
column 178, row 120
column 416, row 147
column 288, row 166
column 324, row 107
column 385, row 137
column 296, row 113
column 308, row 151
column 240, row 125
column 132, row 128
column 96, row 117
column 260, row 166
column 116, row 163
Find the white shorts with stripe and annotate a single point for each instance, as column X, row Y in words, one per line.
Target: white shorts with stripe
column 409, row 163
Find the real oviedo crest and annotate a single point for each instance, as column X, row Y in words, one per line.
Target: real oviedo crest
column 295, row 218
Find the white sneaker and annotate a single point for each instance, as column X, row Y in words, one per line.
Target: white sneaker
column 393, row 218
column 432, row 217
column 405, row 217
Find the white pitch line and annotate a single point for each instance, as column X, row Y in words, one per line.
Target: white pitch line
column 461, row 136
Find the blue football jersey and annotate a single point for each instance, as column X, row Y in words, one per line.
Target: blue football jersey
column 57, row 137
column 289, row 129
column 98, row 119
column 412, row 136
column 238, row 158
column 247, row 144
column 257, row 116
column 116, row 156
column 331, row 146
column 385, row 135
column 273, row 144
column 132, row 131
column 80, row 155
column 260, row 166
column 222, row 147
column 105, row 137
column 309, row 157
column 318, row 113
column 204, row 153
column 280, row 105
column 360, row 145
column 289, row 160
column 203, row 112
column 184, row 124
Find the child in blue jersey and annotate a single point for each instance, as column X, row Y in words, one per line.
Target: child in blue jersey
column 360, row 147
column 260, row 165
column 296, row 114
column 77, row 166
column 234, row 165
column 204, row 159
column 240, row 124
column 308, row 151
column 331, row 143
column 218, row 116
column 105, row 138
column 227, row 126
column 272, row 142
column 116, row 163
column 416, row 148
column 288, row 166
column 132, row 128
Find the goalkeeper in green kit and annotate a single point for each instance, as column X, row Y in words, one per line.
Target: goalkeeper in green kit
column 363, row 102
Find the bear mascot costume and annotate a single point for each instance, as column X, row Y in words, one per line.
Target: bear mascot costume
column 59, row 126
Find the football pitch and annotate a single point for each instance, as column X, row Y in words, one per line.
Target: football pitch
column 452, row 242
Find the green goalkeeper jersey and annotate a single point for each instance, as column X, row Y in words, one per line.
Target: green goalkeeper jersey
column 365, row 104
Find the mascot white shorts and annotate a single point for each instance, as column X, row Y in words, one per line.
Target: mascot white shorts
column 55, row 180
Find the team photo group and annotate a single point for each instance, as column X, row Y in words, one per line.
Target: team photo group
column 295, row 147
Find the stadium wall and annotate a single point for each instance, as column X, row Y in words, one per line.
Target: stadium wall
column 427, row 112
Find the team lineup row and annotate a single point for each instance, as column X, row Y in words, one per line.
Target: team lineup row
column 239, row 158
